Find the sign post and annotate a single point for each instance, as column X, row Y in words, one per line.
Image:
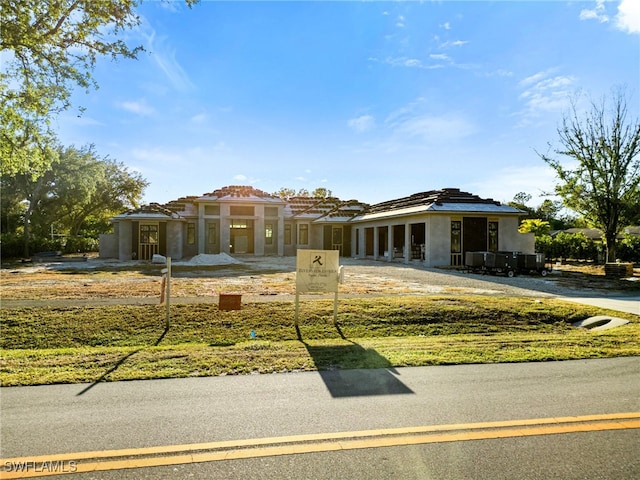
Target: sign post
column 165, row 295
column 318, row 271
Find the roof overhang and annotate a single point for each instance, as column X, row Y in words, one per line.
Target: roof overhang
column 457, row 208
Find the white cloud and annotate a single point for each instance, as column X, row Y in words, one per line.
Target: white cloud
column 434, row 128
column 598, row 12
column 400, row 21
column 446, row 26
column 407, row 62
column 139, row 107
column 240, row 177
column 503, row 184
column 165, row 58
column 543, row 93
column 454, row 43
column 362, row 123
column 628, row 18
column 415, row 122
column 156, row 155
column 200, row 118
column 440, row 56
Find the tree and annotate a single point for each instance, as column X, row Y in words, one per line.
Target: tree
column 75, row 194
column 536, row 226
column 321, row 192
column 49, row 47
column 285, row 193
column 602, row 183
column 519, row 201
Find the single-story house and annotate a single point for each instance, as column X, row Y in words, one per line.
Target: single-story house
column 434, row 228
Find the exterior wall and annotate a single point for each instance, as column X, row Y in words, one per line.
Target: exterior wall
column 258, row 232
column 316, row 237
column 510, row 240
column 225, row 232
column 290, row 249
column 108, row 245
column 438, row 245
column 125, row 240
column 174, row 239
column 189, row 250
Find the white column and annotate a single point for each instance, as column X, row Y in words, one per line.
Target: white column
column 376, row 243
column 225, row 233
column 280, row 232
column 201, row 229
column 407, row 242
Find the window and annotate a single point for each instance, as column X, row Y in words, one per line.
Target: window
column 287, row 234
column 303, row 234
column 148, row 233
column 337, row 236
column 239, row 224
column 268, row 233
column 191, row 233
column 493, row 236
column 456, row 236
column 241, row 210
column 212, row 210
column 212, row 234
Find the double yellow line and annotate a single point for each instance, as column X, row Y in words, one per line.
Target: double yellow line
column 81, row 462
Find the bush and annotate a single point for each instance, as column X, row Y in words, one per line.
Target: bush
column 13, row 245
column 628, row 249
column 566, row 245
column 81, row 245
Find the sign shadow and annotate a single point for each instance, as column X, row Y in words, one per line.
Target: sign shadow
column 350, row 370
column 118, row 363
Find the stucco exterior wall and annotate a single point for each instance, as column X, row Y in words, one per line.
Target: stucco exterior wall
column 125, row 248
column 510, row 240
column 258, row 233
column 438, row 246
column 108, row 245
column 174, row 240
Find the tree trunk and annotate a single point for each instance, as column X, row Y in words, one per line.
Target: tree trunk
column 26, row 234
column 611, row 247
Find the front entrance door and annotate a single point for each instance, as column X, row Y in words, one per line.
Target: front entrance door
column 149, row 240
column 474, row 234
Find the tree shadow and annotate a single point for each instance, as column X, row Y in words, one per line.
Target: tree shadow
column 120, row 362
column 350, row 370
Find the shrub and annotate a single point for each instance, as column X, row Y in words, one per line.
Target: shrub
column 628, row 249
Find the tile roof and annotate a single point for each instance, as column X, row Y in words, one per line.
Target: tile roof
column 153, row 210
column 239, row 191
column 432, row 197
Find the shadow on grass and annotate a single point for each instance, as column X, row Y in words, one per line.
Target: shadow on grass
column 350, row 370
column 120, row 362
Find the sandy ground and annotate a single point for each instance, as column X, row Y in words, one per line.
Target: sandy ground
column 203, row 278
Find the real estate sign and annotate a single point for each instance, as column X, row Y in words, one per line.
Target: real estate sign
column 317, row 270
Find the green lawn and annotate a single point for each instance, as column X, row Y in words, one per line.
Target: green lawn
column 108, row 343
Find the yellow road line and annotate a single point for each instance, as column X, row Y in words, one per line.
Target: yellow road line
column 46, row 465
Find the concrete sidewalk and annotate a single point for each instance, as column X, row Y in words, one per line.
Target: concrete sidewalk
column 628, row 304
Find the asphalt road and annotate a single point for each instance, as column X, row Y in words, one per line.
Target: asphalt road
column 47, row 421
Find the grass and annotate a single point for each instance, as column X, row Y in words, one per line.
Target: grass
column 124, row 342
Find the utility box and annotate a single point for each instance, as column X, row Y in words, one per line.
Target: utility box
column 230, row 301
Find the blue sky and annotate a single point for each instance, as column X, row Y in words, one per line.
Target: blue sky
column 371, row 100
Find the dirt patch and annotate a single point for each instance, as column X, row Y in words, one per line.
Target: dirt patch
column 272, row 277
